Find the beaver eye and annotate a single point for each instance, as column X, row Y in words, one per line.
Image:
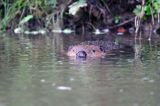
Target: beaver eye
column 94, row 51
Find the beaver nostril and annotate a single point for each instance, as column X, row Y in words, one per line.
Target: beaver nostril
column 102, row 48
column 81, row 54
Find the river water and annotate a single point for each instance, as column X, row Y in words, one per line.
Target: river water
column 35, row 72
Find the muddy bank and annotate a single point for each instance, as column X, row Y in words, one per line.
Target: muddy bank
column 114, row 16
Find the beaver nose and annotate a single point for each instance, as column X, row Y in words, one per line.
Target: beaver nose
column 81, row 54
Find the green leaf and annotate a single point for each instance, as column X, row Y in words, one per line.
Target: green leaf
column 117, row 19
column 51, row 2
column 147, row 10
column 138, row 10
column 156, row 6
column 158, row 1
column 73, row 8
column 26, row 19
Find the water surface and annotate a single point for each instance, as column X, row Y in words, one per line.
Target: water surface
column 35, row 72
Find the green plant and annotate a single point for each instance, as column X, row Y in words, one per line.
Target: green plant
column 148, row 8
column 18, row 9
column 26, row 19
column 10, row 11
column 151, row 8
column 138, row 10
column 117, row 19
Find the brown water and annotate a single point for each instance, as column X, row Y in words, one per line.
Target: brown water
column 34, row 73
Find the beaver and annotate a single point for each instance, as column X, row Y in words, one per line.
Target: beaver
column 94, row 49
column 84, row 51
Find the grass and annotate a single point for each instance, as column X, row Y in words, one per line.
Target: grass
column 12, row 12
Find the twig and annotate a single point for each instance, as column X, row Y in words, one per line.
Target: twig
column 138, row 19
column 158, row 18
column 123, row 23
column 106, row 6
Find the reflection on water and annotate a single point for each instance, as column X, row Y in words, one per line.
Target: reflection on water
column 33, row 72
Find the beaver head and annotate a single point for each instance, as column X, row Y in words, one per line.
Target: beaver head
column 84, row 51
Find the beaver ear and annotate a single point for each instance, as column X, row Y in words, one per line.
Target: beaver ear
column 70, row 47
